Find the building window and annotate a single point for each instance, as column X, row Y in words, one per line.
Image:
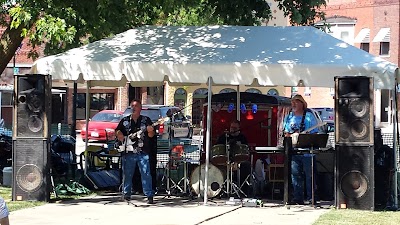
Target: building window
column 273, row 91
column 344, row 36
column 180, row 98
column 307, row 91
column 155, row 95
column 253, row 90
column 200, row 92
column 227, row 90
column 294, row 91
column 6, row 98
column 199, row 98
column 364, row 46
column 332, row 91
column 98, row 102
column 384, row 48
column 385, row 104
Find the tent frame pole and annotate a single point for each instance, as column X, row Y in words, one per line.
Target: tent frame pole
column 87, row 109
column 238, row 103
column 395, row 136
column 208, row 140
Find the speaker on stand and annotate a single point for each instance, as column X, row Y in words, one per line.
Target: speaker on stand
column 31, row 137
column 354, row 134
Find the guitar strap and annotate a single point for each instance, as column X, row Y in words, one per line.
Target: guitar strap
column 129, row 131
column 302, row 124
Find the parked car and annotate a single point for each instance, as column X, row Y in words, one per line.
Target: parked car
column 180, row 124
column 102, row 124
column 330, row 126
column 326, row 113
column 322, row 129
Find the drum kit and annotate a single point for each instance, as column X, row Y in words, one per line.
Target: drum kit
column 229, row 155
column 224, row 159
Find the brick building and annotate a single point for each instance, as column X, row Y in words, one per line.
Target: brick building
column 374, row 26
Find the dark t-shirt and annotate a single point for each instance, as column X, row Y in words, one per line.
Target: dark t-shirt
column 128, row 126
column 240, row 139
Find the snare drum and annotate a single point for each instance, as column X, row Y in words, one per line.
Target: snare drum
column 218, row 155
column 214, row 182
column 240, row 153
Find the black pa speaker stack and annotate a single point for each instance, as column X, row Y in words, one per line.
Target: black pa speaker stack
column 354, row 137
column 31, row 137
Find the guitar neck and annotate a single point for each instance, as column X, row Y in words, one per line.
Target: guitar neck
column 313, row 127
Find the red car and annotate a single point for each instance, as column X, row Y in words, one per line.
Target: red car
column 101, row 123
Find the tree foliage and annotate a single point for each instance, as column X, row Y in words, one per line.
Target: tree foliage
column 60, row 25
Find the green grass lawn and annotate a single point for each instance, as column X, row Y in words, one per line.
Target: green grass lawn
column 6, row 193
column 359, row 217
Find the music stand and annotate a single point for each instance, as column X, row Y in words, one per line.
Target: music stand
column 312, row 142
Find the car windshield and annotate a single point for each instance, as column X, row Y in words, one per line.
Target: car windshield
column 153, row 114
column 107, row 117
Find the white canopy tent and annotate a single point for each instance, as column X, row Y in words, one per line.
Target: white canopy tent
column 225, row 55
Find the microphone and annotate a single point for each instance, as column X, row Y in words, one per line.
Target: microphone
column 227, row 133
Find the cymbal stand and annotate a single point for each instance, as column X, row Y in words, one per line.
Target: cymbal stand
column 312, row 177
column 201, row 151
column 231, row 187
column 249, row 177
column 167, row 173
column 185, row 179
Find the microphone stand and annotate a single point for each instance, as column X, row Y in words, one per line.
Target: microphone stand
column 169, row 156
column 227, row 152
column 170, row 133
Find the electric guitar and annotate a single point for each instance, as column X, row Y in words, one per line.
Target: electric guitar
column 131, row 142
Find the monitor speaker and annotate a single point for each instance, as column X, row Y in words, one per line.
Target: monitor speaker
column 32, row 106
column 354, row 112
column 354, row 177
column 31, row 170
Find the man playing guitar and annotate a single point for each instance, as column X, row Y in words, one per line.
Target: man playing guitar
column 300, row 119
column 135, row 132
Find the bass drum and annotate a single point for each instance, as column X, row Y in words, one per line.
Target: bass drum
column 215, row 180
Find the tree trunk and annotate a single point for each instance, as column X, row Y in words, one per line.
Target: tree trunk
column 9, row 43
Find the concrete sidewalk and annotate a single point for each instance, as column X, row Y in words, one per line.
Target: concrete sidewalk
column 108, row 209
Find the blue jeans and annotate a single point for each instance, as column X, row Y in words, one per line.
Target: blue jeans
column 129, row 161
column 301, row 168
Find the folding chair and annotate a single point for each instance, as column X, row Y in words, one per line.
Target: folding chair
column 91, row 158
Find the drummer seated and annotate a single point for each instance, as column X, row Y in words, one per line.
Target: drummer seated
column 234, row 136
